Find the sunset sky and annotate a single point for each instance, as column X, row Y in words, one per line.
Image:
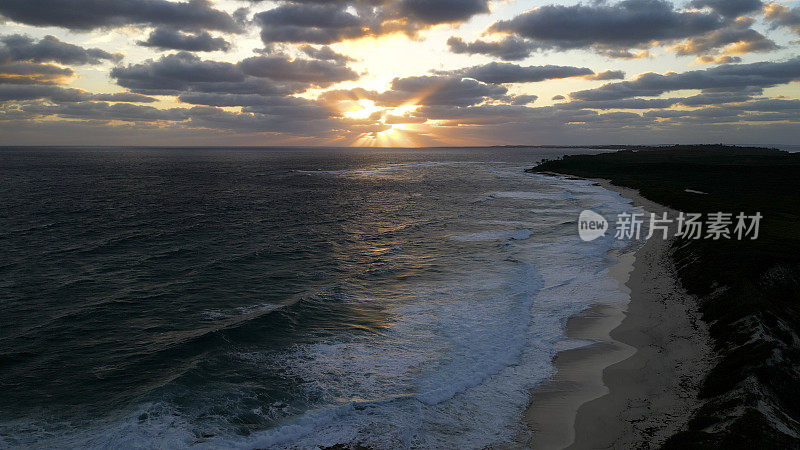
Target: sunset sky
column 398, row 72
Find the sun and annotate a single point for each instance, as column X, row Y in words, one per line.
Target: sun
column 364, row 108
column 396, row 134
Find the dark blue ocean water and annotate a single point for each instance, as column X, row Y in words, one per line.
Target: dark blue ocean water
column 262, row 297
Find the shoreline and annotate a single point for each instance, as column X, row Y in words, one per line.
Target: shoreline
column 637, row 383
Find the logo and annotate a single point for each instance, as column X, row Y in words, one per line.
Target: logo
column 591, row 225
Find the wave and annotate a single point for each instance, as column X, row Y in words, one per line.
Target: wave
column 503, row 235
column 384, row 169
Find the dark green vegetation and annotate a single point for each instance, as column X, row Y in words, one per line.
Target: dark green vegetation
column 749, row 290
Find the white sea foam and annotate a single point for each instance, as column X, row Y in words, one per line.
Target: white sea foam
column 463, row 347
column 522, row 195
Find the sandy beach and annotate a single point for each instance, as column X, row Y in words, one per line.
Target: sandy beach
column 636, row 385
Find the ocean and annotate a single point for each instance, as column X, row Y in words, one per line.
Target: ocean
column 286, row 298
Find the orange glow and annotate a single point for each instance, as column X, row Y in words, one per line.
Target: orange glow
column 396, row 135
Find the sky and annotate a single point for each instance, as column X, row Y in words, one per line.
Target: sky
column 399, row 73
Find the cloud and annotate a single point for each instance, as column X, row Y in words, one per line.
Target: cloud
column 224, row 100
column 24, row 60
column 171, row 39
column 33, row 73
column 325, row 53
column 298, row 108
column 54, row 93
column 735, row 39
column 106, row 111
column 608, row 28
column 126, row 97
column 525, row 99
column 630, row 103
column 500, row 73
column 729, row 8
column 277, row 67
column 433, row 12
column 17, row 47
column 264, row 75
column 178, row 72
column 327, row 22
column 721, row 59
column 511, row 48
column 607, row 75
column 439, row 90
column 423, row 90
column 782, row 16
column 718, row 98
column 703, row 99
column 323, row 23
column 728, row 78
column 390, row 119
column 90, row 15
column 58, row 94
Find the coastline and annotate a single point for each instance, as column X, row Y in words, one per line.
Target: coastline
column 637, row 383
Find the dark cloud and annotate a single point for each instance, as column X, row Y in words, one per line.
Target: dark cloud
column 558, row 98
column 604, row 27
column 542, row 119
column 186, row 74
column 93, row 14
column 436, row 90
column 500, row 73
column 17, row 47
column 771, row 105
column 511, row 48
column 703, row 99
column 299, row 117
column 717, row 98
column 325, row 53
column 58, row 94
column 442, row 11
column 330, row 21
column 300, row 108
column 608, row 75
column 322, row 23
column 105, row 111
column 171, row 39
column 723, row 78
column 278, row 68
column 54, row 93
column 630, row 103
column 298, row 120
column 125, row 97
column 292, row 107
column 178, row 72
column 707, row 115
column 521, row 99
column 782, row 16
column 33, row 73
column 222, row 100
column 729, row 8
column 736, row 38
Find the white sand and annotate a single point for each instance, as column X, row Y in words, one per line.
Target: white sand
column 638, row 383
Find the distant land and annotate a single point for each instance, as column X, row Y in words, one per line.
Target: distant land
column 749, row 291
